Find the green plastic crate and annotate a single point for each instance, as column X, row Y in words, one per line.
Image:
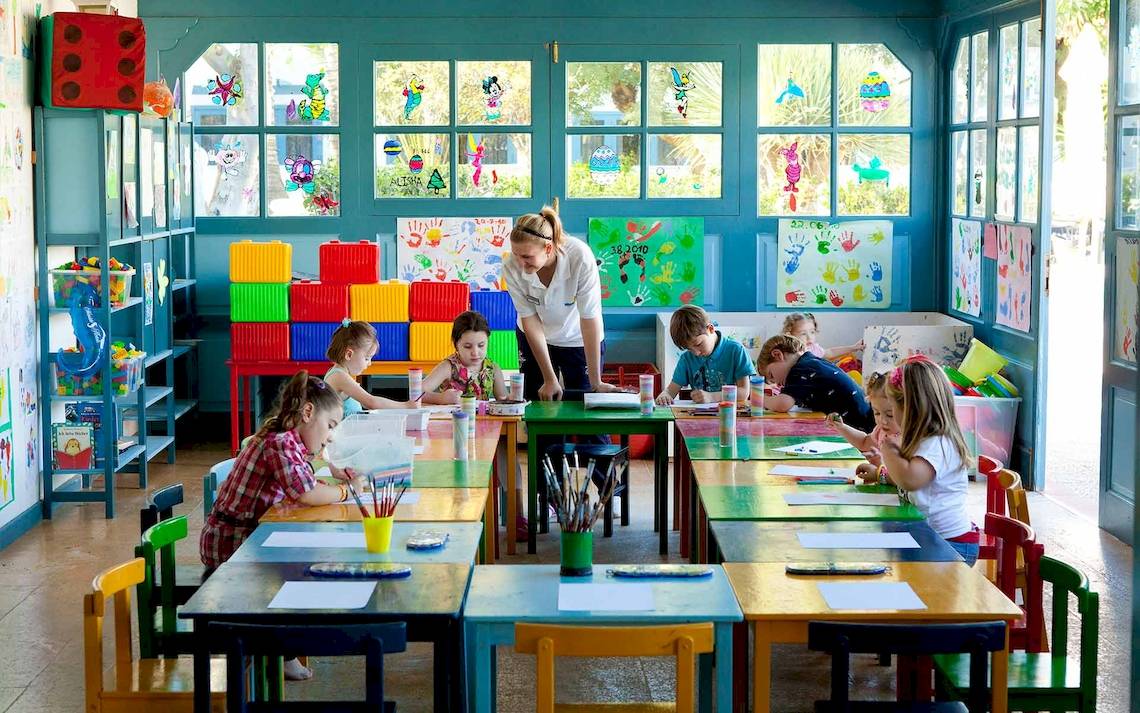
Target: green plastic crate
column 259, row 302
column 503, row 349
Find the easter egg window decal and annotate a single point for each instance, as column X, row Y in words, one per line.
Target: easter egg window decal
column 874, row 87
column 874, row 93
column 604, row 166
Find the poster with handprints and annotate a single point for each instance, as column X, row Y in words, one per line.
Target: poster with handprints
column 1014, row 276
column 5, row 398
column 966, row 261
column 1127, row 312
column 470, row 250
column 7, row 468
column 843, row 265
column 649, row 262
column 885, row 345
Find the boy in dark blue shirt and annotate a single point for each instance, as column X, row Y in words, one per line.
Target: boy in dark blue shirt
column 710, row 360
column 811, row 382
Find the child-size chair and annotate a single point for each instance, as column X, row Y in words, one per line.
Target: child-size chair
column 1017, row 541
column 210, row 482
column 682, row 641
column 613, row 460
column 160, row 506
column 134, row 685
column 158, row 593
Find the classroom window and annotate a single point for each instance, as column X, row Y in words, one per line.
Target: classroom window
column 493, row 165
column 493, row 92
column 960, row 171
column 603, row 93
column 302, row 85
column 961, row 85
column 603, row 166
column 979, row 76
column 1128, row 159
column 684, row 165
column 874, row 87
column 1006, row 193
column 423, row 159
column 874, row 174
column 1008, row 48
column 979, row 172
column 778, row 181
column 227, row 171
column 411, row 93
column 1031, row 68
column 684, row 93
column 221, row 87
column 794, row 85
column 1027, row 172
column 300, row 170
column 1130, row 53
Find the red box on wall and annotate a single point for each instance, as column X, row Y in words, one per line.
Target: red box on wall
column 91, row 61
column 438, row 301
column 259, row 341
column 350, row 263
column 311, row 301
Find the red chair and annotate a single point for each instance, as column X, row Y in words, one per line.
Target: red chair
column 995, row 503
column 1012, row 537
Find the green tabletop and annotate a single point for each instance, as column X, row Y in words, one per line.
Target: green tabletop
column 575, row 412
column 762, row 448
column 447, row 474
column 766, row 503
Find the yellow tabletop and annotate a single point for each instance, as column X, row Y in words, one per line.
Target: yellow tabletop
column 434, row 505
column 438, row 444
column 779, row 607
column 757, row 472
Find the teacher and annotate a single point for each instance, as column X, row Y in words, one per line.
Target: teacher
column 553, row 281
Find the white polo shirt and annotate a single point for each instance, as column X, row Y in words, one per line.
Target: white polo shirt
column 574, row 293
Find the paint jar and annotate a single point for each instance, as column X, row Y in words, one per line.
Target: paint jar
column 459, row 423
column 728, row 392
column 727, row 412
column 415, row 384
column 577, row 554
column 470, row 407
column 756, row 395
column 645, row 391
column 516, row 387
column 378, row 533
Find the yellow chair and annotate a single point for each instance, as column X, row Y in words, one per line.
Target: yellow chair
column 1016, row 501
column 683, row 641
column 135, row 685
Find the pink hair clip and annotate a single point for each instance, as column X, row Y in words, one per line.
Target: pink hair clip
column 896, row 377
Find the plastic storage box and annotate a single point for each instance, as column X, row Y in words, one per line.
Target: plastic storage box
column 126, row 377
column 381, row 302
column 350, row 263
column 261, row 262
column 497, row 307
column 429, row 341
column 628, row 375
column 309, row 341
column 503, row 349
column 259, row 302
column 259, row 341
column 393, row 341
column 438, row 301
column 375, row 422
column 988, row 425
column 311, row 301
column 64, row 281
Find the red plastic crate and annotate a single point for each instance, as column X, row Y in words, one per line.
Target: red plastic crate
column 350, row 263
column 438, row 301
column 311, row 301
column 628, row 375
column 259, row 341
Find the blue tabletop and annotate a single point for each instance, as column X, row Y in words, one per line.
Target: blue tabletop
column 744, row 541
column 461, row 548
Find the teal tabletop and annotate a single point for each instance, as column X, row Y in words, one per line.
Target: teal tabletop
column 766, row 502
column 763, row 448
column 744, row 541
column 344, row 542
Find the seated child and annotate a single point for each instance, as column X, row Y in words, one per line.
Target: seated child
column 709, row 362
column 810, row 382
column 351, row 350
column 886, row 411
column 805, row 326
column 928, row 458
column 467, row 372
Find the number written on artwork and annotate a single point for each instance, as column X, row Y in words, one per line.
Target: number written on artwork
column 627, row 249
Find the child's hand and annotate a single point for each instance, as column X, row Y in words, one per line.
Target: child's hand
column 411, row 405
column 835, row 421
column 345, row 475
column 867, row 472
column 359, row 482
column 664, row 399
column 873, row 456
column 891, row 443
column 604, row 388
column 700, row 397
column 550, row 391
column 859, row 346
column 451, row 396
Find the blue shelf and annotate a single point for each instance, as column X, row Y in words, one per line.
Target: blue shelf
column 157, row 357
column 181, row 284
column 156, row 444
column 131, row 302
column 183, row 349
column 181, row 408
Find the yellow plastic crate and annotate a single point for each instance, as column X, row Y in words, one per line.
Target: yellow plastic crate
column 429, row 341
column 381, row 302
column 261, row 262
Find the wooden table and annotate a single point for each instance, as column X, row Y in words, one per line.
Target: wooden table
column 743, row 541
column 779, row 606
column 563, row 418
column 462, row 544
column 504, row 595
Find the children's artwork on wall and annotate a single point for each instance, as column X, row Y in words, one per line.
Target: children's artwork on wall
column 413, row 96
column 7, row 468
column 874, row 93
column 5, row 398
column 325, row 203
column 148, row 293
column 845, row 265
column 1014, row 276
column 228, row 158
column 791, row 92
column 476, row 151
column 162, row 281
column 966, row 262
column 989, row 241
column 436, row 183
column 885, row 345
column 315, row 105
column 302, row 171
column 679, row 96
column 873, row 171
column 224, row 90
column 649, row 262
column 493, row 91
column 792, row 172
column 1127, row 329
column 605, row 167
column 470, row 250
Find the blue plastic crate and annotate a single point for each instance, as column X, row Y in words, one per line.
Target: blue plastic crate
column 496, row 306
column 393, row 338
column 309, row 341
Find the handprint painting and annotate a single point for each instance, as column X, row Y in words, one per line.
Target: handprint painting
column 649, row 262
column 1127, row 309
column 885, row 345
column 837, row 265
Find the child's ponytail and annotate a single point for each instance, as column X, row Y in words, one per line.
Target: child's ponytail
column 289, row 408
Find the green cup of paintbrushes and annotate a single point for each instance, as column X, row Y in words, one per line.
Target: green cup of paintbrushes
column 577, row 512
column 577, row 554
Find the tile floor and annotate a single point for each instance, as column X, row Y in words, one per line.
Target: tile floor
column 44, row 574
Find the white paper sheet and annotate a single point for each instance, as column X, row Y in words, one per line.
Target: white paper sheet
column 410, row 497
column 613, row 401
column 686, row 403
column 323, row 595
column 880, row 499
column 809, row 471
column 315, row 539
column 814, row 448
column 799, row 409
column 874, row 596
column 633, row 596
column 857, row 540
column 418, row 449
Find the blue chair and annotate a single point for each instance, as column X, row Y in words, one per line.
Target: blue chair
column 843, row 639
column 369, row 640
column 160, row 508
column 210, row 482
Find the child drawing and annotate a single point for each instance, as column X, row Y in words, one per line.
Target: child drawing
column 682, row 85
column 792, row 173
column 493, row 95
column 475, row 153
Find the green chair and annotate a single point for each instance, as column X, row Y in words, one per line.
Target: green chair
column 159, row 592
column 1048, row 681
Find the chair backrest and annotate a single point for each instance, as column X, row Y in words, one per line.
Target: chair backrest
column 370, row 640
column 111, row 584
column 683, row 641
column 1014, row 495
column 160, row 506
column 1016, row 543
column 157, row 552
column 210, row 482
column 843, row 639
column 995, row 496
column 1068, row 581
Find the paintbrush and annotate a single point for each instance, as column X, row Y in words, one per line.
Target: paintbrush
column 352, row 491
column 375, row 504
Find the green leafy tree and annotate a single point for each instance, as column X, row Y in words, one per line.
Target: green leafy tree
column 436, row 182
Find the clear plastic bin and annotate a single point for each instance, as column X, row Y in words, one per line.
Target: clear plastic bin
column 988, row 425
column 374, row 456
column 370, row 424
column 64, row 281
column 126, row 377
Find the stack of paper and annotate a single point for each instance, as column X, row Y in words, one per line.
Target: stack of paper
column 587, row 596
column 613, row 401
column 813, row 448
column 857, row 540
column 873, row 596
column 807, row 472
column 323, row 595
column 844, row 498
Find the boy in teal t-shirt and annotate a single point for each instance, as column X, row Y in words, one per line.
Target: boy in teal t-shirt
column 710, row 360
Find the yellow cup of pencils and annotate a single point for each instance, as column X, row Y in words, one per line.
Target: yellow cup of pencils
column 378, row 534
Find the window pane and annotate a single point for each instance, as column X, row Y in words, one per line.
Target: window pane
column 411, row 93
column 1129, row 160
column 1007, row 89
column 302, row 174
column 874, row 87
column 684, row 165
column 413, row 166
column 227, row 170
column 874, row 174
column 1031, row 67
column 603, row 93
column 979, row 172
column 1027, row 175
column 794, row 85
column 492, row 92
column 1006, row 191
column 961, row 171
column 962, row 82
column 603, row 166
column 221, row 86
column 980, row 79
column 684, row 94
column 494, row 165
column 1130, row 53
column 302, row 85
column 793, row 173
